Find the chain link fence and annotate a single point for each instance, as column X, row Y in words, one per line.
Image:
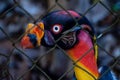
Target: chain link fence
column 54, row 64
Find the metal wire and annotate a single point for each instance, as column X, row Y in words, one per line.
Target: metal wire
column 6, row 71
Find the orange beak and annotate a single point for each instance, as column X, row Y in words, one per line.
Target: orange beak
column 25, row 43
column 37, row 30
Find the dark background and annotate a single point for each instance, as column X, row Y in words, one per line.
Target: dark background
column 16, row 14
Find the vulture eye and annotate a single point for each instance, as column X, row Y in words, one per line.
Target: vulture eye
column 56, row 29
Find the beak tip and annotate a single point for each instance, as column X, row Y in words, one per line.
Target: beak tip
column 25, row 43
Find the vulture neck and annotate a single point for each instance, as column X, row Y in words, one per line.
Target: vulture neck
column 83, row 55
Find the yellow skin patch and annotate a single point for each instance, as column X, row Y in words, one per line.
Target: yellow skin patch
column 95, row 47
column 38, row 30
column 83, row 75
column 80, row 73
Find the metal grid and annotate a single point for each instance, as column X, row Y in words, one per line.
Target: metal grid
column 5, row 72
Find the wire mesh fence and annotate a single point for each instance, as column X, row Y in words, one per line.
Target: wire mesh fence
column 54, row 63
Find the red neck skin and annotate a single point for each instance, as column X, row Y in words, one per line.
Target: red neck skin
column 81, row 48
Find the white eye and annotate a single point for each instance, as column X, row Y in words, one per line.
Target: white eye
column 57, row 29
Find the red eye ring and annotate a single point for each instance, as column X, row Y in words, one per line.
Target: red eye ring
column 57, row 28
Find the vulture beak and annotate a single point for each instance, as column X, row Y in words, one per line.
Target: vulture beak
column 33, row 41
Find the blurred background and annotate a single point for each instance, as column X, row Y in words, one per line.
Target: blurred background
column 44, row 63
